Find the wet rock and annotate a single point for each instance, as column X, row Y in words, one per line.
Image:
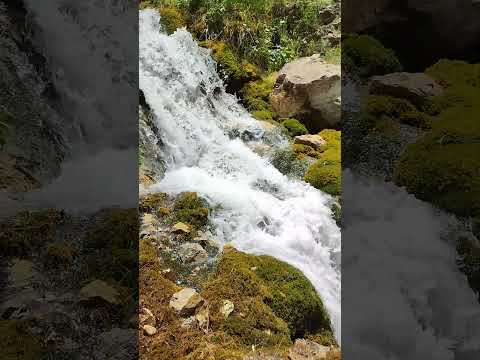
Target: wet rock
column 309, row 350
column 181, row 228
column 186, row 301
column 192, row 253
column 100, row 289
column 415, row 87
column 149, row 330
column 227, row 308
column 309, row 89
column 315, row 141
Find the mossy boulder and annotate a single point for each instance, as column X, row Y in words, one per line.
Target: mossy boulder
column 152, row 202
column 268, row 295
column 191, row 209
column 172, row 19
column 294, row 127
column 364, row 56
column 289, row 162
column 443, row 167
column 234, row 71
column 325, row 173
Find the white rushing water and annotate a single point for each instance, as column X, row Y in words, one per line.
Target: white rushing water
column 403, row 295
column 262, row 211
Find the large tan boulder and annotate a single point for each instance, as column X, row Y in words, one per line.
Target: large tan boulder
column 415, row 87
column 309, row 89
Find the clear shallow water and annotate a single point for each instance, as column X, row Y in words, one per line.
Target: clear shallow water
column 262, row 211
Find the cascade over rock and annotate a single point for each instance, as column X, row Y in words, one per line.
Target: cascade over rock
column 204, row 144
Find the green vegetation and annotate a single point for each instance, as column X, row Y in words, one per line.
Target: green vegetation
column 289, row 163
column 190, row 208
column 364, row 56
column 443, row 167
column 268, row 294
column 325, row 173
column 256, row 94
column 21, row 234
column 267, row 33
column 172, row 19
column 294, row 127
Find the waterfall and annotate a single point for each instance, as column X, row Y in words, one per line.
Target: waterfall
column 260, row 211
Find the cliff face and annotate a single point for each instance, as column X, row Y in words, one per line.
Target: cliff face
column 419, row 31
column 33, row 146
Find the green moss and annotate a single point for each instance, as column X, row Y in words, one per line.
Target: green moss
column 255, row 94
column 111, row 247
column 289, row 163
column 268, row 294
column 294, row 127
column 443, row 166
column 325, row 173
column 192, row 209
column 264, row 115
column 365, row 56
column 17, row 342
column 231, row 66
column 305, row 150
column 152, row 202
column 27, row 231
column 325, row 176
column 172, row 19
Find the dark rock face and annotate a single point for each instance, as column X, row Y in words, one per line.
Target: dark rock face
column 33, row 138
column 419, row 31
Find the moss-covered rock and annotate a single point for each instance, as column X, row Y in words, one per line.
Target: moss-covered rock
column 192, row 209
column 152, row 202
column 289, row 163
column 268, row 295
column 294, row 127
column 59, row 256
column 325, row 173
column 443, row 166
column 305, row 150
column 364, row 56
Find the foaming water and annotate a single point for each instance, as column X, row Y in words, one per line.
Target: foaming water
column 260, row 210
column 403, row 296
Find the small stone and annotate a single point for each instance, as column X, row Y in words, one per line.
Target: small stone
column 192, row 253
column 315, row 141
column 253, row 268
column 227, row 308
column 203, row 318
column 149, row 330
column 306, row 350
column 146, row 317
column 100, row 289
column 188, row 323
column 181, row 228
column 186, row 301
